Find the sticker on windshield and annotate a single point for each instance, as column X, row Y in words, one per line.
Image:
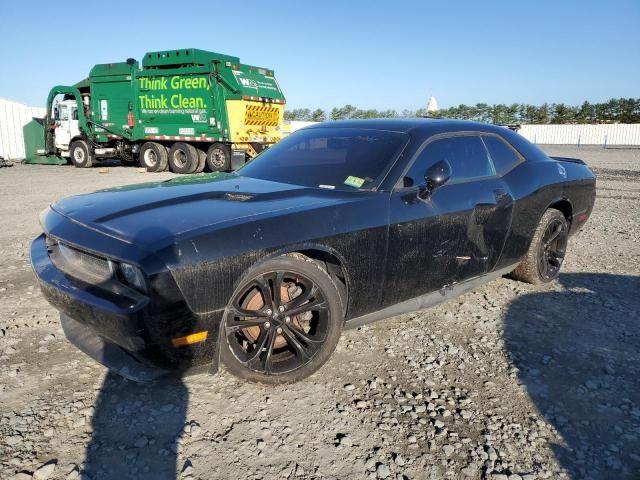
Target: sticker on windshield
column 355, row 182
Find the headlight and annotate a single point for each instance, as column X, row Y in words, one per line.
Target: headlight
column 43, row 215
column 132, row 276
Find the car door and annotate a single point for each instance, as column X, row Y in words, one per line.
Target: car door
column 455, row 233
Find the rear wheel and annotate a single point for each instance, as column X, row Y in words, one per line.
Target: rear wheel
column 282, row 323
column 153, row 157
column 183, row 158
column 202, row 161
column 219, row 158
column 81, row 154
column 547, row 250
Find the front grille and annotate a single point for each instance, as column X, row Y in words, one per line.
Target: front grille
column 78, row 263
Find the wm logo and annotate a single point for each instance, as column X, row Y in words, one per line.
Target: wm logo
column 246, row 82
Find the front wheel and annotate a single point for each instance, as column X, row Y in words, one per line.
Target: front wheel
column 282, row 323
column 547, row 250
column 81, row 154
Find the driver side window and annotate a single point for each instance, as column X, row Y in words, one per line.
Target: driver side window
column 63, row 113
column 466, row 155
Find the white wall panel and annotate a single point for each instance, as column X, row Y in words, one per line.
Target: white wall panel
column 614, row 134
column 14, row 116
column 298, row 124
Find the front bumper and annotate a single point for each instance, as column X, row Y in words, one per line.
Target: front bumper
column 123, row 329
column 107, row 353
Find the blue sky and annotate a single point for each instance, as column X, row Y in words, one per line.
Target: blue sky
column 375, row 54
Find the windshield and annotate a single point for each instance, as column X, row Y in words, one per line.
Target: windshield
column 332, row 158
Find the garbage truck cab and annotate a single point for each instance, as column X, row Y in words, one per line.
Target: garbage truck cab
column 66, row 127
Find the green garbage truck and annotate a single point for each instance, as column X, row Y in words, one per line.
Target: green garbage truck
column 180, row 109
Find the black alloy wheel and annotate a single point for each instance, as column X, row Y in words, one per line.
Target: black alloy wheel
column 552, row 249
column 547, row 250
column 282, row 323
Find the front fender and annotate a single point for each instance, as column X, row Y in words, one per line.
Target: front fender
column 207, row 269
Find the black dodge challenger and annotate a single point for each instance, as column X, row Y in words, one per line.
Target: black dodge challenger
column 339, row 224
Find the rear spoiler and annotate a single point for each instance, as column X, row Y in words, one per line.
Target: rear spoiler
column 567, row 159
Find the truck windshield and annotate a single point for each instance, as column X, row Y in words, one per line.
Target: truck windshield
column 331, row 158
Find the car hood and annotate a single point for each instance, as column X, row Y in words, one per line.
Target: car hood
column 147, row 213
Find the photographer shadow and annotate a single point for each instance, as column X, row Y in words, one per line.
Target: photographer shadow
column 137, row 429
column 577, row 350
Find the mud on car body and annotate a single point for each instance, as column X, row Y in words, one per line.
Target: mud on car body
column 337, row 225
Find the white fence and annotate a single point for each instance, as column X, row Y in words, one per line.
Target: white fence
column 14, row 116
column 604, row 135
column 297, row 124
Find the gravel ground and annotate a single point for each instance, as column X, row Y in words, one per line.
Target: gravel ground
column 506, row 382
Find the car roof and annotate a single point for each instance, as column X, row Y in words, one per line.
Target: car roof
column 419, row 127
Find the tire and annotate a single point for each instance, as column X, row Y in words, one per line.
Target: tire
column 81, row 154
column 547, row 250
column 183, row 158
column 154, row 157
column 219, row 158
column 202, row 161
column 293, row 346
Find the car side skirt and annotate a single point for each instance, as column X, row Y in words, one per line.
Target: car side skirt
column 430, row 299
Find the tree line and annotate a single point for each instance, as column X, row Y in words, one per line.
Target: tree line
column 616, row 110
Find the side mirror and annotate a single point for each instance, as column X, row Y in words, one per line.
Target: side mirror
column 436, row 175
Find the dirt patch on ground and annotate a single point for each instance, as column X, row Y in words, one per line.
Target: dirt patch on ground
column 507, row 382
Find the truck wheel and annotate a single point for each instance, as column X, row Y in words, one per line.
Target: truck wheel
column 81, row 154
column 153, row 157
column 202, row 161
column 219, row 158
column 183, row 158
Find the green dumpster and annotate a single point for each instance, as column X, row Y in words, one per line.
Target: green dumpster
column 34, row 150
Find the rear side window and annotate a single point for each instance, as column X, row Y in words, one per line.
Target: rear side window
column 466, row 155
column 503, row 156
